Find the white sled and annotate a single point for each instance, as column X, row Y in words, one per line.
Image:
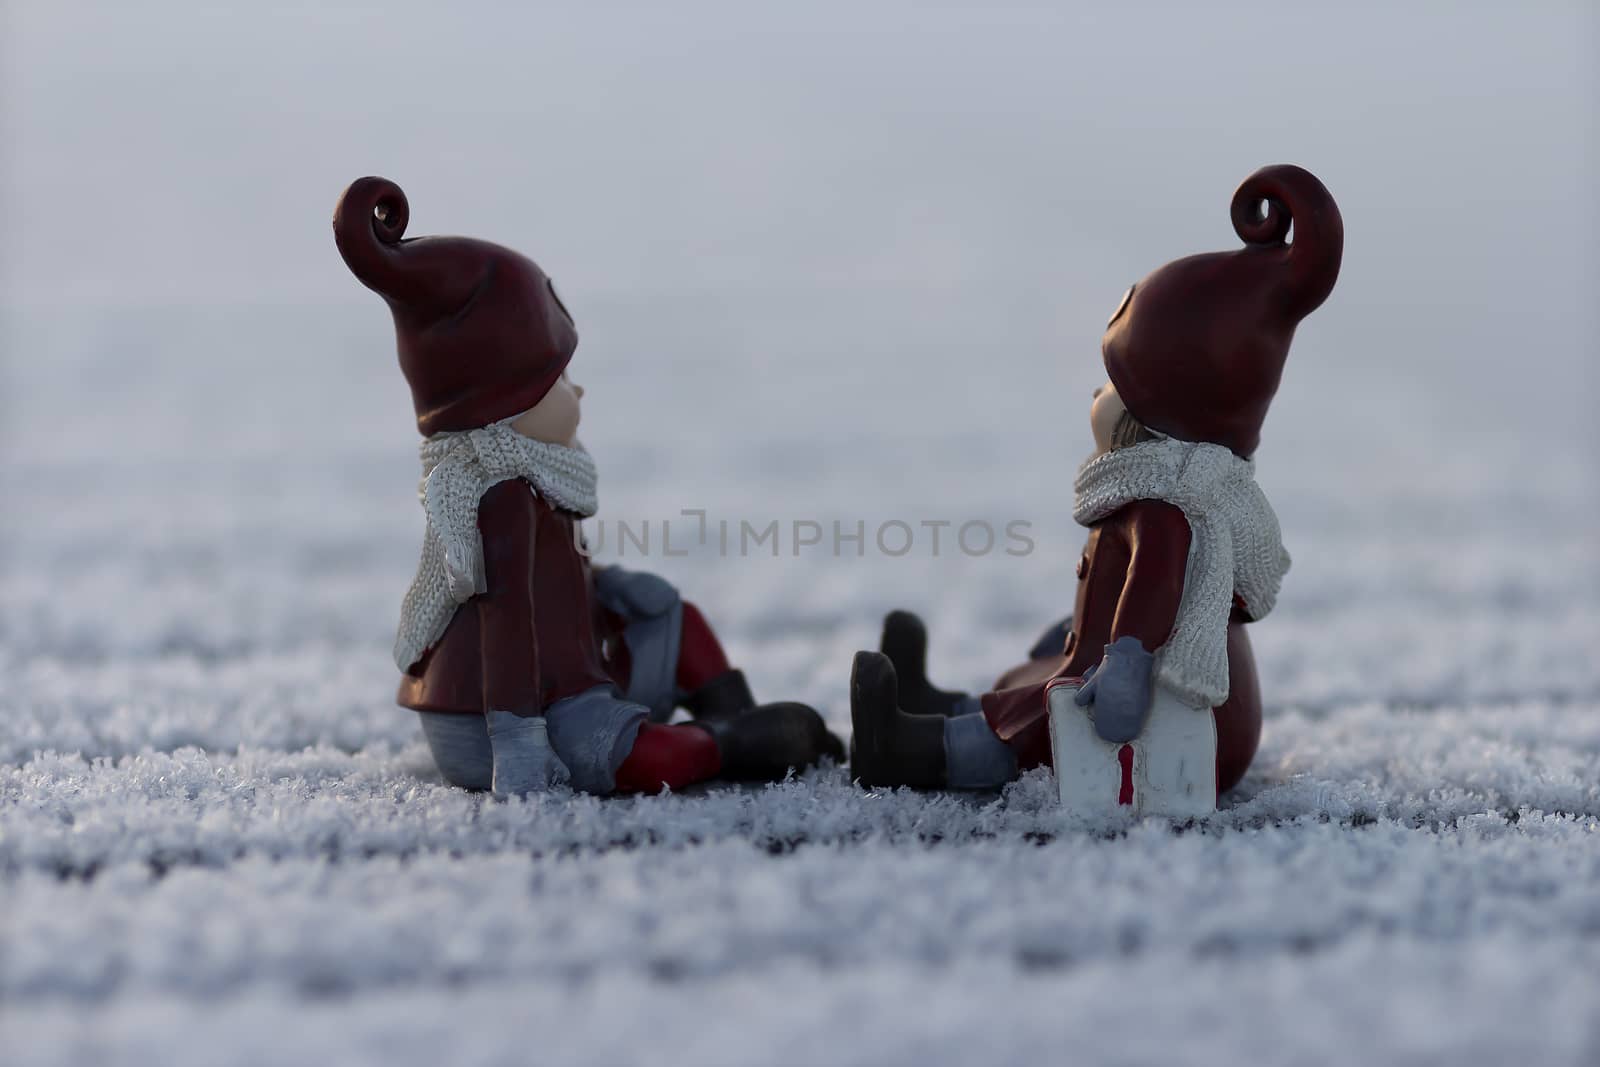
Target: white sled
column 1170, row 769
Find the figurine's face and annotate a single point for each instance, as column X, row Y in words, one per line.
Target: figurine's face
column 1105, row 410
column 1113, row 424
column 554, row 419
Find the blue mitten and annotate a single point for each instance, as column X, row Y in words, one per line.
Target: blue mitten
column 524, row 762
column 1121, row 687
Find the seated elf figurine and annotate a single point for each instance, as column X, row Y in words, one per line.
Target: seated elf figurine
column 528, row 666
column 1183, row 548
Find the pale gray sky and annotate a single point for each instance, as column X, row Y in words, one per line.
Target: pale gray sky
column 870, row 176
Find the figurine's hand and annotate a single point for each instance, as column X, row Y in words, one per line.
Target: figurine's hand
column 1121, row 687
column 524, row 762
column 1052, row 641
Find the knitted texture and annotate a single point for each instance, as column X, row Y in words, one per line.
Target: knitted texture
column 1235, row 547
column 457, row 469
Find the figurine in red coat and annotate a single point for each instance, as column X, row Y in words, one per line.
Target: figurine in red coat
column 527, row 666
column 1183, row 549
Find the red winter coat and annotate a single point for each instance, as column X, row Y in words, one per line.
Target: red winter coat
column 509, row 648
column 1130, row 582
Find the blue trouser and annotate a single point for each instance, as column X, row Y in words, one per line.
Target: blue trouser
column 593, row 731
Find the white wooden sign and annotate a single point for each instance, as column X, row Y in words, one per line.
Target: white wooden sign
column 1170, row 769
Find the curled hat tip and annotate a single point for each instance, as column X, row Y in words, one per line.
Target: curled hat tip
column 378, row 203
column 1272, row 199
column 368, row 223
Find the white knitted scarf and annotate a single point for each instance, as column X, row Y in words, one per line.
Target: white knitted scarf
column 457, row 469
column 1235, row 546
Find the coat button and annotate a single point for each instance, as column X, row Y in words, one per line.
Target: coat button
column 1083, row 566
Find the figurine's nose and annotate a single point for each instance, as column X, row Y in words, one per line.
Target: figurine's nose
column 1097, row 391
column 577, row 390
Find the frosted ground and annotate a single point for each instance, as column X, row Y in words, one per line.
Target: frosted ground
column 847, row 266
column 217, row 833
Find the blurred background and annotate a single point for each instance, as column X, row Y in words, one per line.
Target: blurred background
column 838, row 262
column 834, row 261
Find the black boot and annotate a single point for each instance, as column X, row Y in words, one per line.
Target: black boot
column 905, row 642
column 891, row 747
column 726, row 696
column 765, row 742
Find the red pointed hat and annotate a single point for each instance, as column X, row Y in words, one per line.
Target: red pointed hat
column 1197, row 348
column 481, row 332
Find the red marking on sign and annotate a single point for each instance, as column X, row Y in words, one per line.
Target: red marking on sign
column 1125, row 757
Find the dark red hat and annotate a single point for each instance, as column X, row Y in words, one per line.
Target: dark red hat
column 1196, row 349
column 482, row 334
